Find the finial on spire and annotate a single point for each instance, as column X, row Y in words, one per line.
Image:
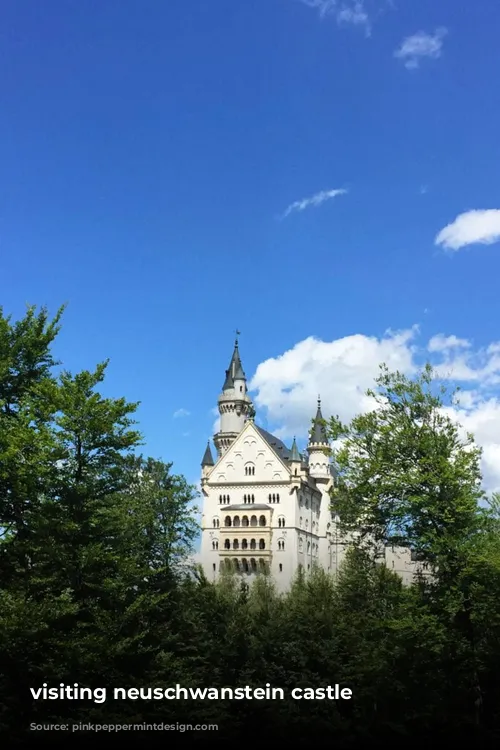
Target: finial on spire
column 319, row 401
column 238, row 333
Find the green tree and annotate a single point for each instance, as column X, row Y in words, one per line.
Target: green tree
column 405, row 475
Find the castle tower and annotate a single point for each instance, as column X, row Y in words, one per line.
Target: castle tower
column 234, row 403
column 319, row 448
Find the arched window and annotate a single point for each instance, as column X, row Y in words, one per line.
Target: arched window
column 244, row 544
column 308, row 547
column 236, row 544
column 253, row 498
column 253, row 564
column 270, row 497
column 262, row 544
column 227, row 544
column 301, row 544
column 214, row 523
column 244, row 564
column 281, row 568
column 236, row 564
column 217, row 521
column 253, row 521
column 244, row 521
column 262, row 565
column 274, row 498
column 227, row 521
column 253, row 544
column 277, row 498
column 300, row 522
column 262, row 521
column 236, row 521
column 220, row 499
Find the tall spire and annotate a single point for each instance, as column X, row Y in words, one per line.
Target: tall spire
column 318, row 432
column 294, row 453
column 207, row 456
column 235, row 370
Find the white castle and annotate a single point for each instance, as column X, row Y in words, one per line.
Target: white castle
column 266, row 507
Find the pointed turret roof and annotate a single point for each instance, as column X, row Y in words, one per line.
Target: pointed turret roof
column 318, row 432
column 207, row 456
column 235, row 371
column 294, row 453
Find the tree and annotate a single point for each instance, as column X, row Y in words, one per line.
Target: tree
column 26, row 445
column 405, row 476
column 163, row 504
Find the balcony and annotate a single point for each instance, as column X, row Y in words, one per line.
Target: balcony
column 235, row 522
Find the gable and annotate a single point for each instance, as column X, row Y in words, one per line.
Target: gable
column 249, row 459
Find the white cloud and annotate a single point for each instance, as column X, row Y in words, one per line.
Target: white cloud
column 355, row 14
column 420, row 45
column 340, row 371
column 181, row 413
column 315, row 200
column 344, row 11
column 442, row 343
column 286, row 387
column 480, row 227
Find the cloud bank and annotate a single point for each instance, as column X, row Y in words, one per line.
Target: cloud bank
column 285, row 388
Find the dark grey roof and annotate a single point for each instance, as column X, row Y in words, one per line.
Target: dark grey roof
column 235, row 371
column 276, row 444
column 246, row 506
column 318, row 432
column 294, row 453
column 229, row 382
column 207, row 456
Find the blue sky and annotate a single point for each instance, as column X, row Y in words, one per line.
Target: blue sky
column 149, row 154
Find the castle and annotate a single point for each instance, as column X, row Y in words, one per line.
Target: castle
column 266, row 507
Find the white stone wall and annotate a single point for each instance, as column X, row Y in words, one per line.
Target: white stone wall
column 302, row 530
